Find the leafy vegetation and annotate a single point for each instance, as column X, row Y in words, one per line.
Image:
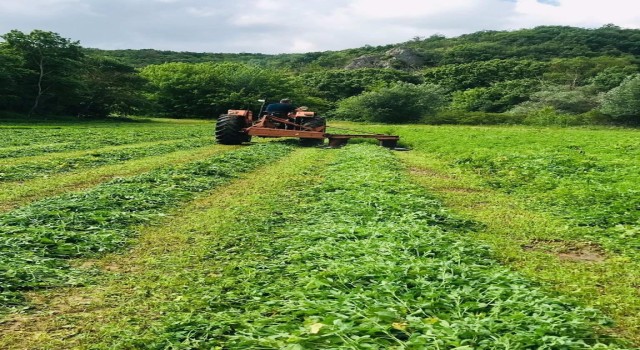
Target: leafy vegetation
column 365, row 260
column 402, row 102
column 38, row 167
column 38, row 239
column 19, row 140
column 587, row 177
column 556, row 75
column 326, row 248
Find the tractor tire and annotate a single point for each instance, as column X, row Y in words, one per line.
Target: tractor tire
column 229, row 130
column 313, row 123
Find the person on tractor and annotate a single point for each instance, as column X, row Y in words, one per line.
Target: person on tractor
column 281, row 109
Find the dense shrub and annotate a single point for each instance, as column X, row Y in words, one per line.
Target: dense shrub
column 499, row 97
column 399, row 103
column 623, row 102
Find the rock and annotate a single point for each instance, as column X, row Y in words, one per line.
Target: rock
column 405, row 57
column 367, row 61
column 399, row 58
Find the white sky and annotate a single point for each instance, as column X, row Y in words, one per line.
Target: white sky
column 283, row 26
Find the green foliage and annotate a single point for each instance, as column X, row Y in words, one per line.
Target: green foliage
column 335, row 85
column 498, row 97
column 207, row 90
column 563, row 99
column 483, row 74
column 399, row 103
column 623, row 102
column 580, row 71
column 364, row 260
column 51, row 64
column 43, row 73
column 487, row 71
column 110, row 87
column 542, row 43
column 11, row 74
column 611, row 77
column 38, row 239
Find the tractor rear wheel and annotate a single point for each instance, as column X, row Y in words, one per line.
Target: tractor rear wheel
column 229, row 130
column 314, row 122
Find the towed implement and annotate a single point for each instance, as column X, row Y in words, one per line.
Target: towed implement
column 239, row 125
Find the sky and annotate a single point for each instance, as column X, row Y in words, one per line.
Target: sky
column 288, row 26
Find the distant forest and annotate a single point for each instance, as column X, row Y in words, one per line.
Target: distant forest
column 549, row 75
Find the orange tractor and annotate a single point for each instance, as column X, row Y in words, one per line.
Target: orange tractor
column 239, row 125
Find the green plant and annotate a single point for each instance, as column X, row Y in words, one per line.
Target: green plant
column 399, row 103
column 38, row 239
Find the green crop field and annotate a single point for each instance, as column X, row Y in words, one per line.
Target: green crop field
column 147, row 235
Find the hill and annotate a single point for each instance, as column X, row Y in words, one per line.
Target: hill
column 541, row 43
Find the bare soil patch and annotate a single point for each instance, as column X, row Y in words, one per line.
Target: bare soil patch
column 569, row 251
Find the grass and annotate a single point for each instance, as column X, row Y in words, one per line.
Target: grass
column 15, row 194
column 351, row 256
column 322, row 248
column 538, row 244
column 44, row 166
column 38, row 238
column 136, row 288
column 558, row 205
column 22, row 140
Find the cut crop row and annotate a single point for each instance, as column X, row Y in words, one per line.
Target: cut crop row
column 60, row 164
column 24, row 142
column 587, row 177
column 364, row 259
column 37, row 240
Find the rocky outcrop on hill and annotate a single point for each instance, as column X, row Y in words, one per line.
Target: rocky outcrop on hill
column 399, row 58
column 405, row 57
column 367, row 61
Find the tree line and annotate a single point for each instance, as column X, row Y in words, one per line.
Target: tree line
column 545, row 75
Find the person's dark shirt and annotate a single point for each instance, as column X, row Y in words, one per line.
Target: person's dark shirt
column 280, row 108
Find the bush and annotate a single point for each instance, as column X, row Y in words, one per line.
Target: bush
column 499, row 97
column 399, row 103
column 623, row 102
column 547, row 116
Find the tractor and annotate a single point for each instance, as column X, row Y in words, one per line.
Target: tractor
column 239, row 125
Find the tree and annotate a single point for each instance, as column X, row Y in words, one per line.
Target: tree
column 207, row 89
column 482, row 74
column 111, row 87
column 578, row 71
column 499, row 97
column 623, row 102
column 561, row 98
column 11, row 74
column 399, row 103
column 611, row 77
column 338, row 84
column 52, row 63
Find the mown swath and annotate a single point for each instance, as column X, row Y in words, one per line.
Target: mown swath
column 366, row 260
column 27, row 141
column 37, row 240
column 61, row 164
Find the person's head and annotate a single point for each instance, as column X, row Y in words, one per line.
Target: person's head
column 285, row 100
